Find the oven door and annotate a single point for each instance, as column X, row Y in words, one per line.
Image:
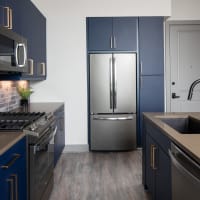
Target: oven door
column 41, row 164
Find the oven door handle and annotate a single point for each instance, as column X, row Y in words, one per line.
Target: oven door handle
column 42, row 146
column 55, row 130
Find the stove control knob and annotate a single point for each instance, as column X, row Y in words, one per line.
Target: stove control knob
column 32, row 127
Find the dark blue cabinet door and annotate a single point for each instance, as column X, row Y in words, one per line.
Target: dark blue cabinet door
column 125, row 33
column 15, row 16
column 150, row 174
column 41, row 65
column 3, row 13
column 152, row 94
column 151, row 98
column 99, row 33
column 163, row 176
column 13, row 179
column 5, row 186
column 10, row 14
column 34, row 29
column 151, row 47
column 28, row 31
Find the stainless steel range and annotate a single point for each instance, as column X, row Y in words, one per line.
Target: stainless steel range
column 40, row 130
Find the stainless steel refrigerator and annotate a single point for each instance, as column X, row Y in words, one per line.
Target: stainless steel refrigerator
column 112, row 101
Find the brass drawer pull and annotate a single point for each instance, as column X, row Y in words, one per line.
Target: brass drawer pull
column 15, row 176
column 153, row 149
column 10, row 163
column 154, row 157
column 10, row 180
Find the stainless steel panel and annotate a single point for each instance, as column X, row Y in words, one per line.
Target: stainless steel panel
column 185, row 175
column 125, row 82
column 101, row 83
column 113, row 132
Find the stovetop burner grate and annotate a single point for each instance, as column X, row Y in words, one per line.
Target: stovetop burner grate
column 13, row 121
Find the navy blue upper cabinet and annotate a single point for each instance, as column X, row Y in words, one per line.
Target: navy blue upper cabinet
column 125, row 33
column 151, row 45
column 33, row 27
column 151, row 94
column 99, row 33
column 151, row 98
column 112, row 34
column 10, row 14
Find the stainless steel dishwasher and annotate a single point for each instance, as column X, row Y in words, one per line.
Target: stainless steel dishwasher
column 185, row 175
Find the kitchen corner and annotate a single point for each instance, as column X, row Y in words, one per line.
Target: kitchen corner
column 34, row 136
column 171, row 155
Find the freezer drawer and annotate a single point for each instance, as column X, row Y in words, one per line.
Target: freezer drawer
column 113, row 132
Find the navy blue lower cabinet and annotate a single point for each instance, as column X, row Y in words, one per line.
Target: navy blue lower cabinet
column 150, row 173
column 151, row 98
column 163, row 176
column 156, row 162
column 13, row 177
column 60, row 134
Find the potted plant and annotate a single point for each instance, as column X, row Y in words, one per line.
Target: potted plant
column 24, row 94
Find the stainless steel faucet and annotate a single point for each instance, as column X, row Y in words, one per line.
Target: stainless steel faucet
column 192, row 88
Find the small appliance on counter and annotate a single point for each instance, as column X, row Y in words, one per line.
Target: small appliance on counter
column 40, row 129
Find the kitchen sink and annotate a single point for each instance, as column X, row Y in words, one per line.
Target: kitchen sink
column 187, row 125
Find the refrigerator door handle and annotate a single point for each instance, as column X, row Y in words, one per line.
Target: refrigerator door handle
column 111, row 82
column 115, row 82
column 113, row 118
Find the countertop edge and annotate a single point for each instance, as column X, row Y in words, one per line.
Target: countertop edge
column 156, row 121
column 12, row 142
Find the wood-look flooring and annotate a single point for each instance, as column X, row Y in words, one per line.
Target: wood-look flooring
column 99, row 176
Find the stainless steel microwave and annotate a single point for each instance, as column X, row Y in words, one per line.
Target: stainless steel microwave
column 13, row 52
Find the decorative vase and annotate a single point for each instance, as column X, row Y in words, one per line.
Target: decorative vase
column 24, row 102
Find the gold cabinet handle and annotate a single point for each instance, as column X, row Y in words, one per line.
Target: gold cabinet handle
column 30, row 66
column 15, row 176
column 7, row 9
column 151, row 156
column 10, row 180
column 43, row 68
column 10, row 163
column 153, row 149
column 10, row 19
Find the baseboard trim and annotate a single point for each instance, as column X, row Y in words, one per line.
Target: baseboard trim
column 76, row 148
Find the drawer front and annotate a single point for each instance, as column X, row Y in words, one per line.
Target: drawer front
column 158, row 136
column 110, row 134
column 18, row 149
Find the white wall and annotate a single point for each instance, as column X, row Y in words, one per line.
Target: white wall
column 185, row 10
column 66, row 52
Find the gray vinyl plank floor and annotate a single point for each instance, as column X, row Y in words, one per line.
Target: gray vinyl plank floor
column 99, row 176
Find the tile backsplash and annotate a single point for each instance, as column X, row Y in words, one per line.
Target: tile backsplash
column 9, row 97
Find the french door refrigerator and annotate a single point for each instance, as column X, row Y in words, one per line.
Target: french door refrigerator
column 112, row 101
